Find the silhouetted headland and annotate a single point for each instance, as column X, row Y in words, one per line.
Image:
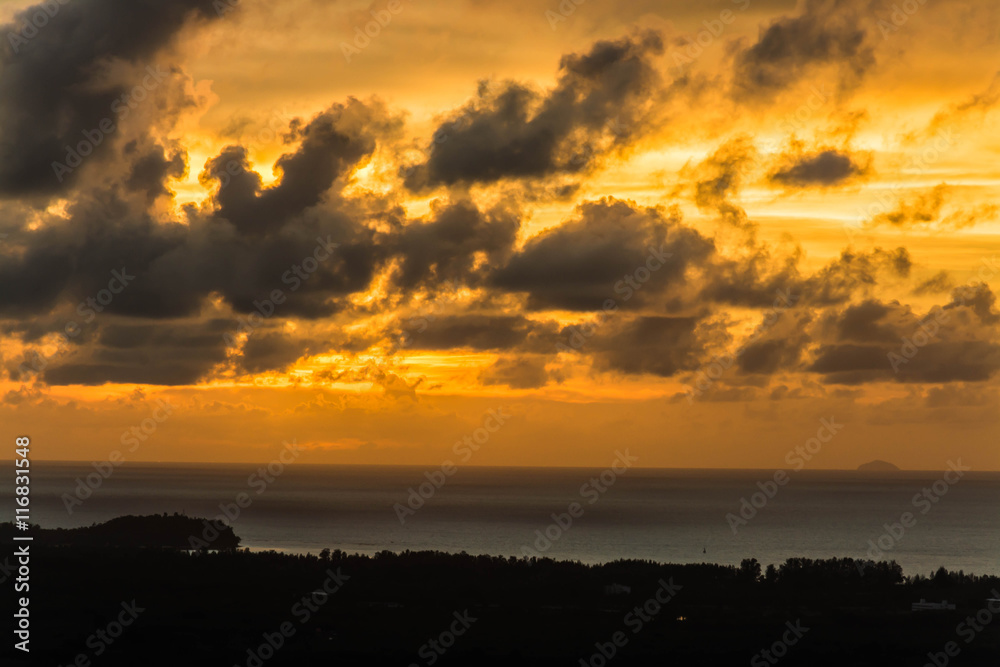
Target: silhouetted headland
column 234, row 607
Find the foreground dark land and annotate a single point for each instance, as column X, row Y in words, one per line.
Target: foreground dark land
column 220, row 607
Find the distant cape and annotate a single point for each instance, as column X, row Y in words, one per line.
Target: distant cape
column 878, row 466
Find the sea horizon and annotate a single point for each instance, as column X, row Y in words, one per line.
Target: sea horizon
column 660, row 514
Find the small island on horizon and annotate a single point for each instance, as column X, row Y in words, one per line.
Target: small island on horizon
column 878, row 466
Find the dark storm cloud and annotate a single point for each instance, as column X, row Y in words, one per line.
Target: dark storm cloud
column 825, row 168
column 603, row 99
column 956, row 361
column 854, row 272
column 755, row 279
column 53, row 86
column 181, row 353
column 975, row 299
column 874, row 341
column 314, row 255
column 825, row 32
column 272, row 351
column 863, row 322
column 583, row 263
column 661, row 346
column 444, row 249
column 516, row 373
column 779, row 344
column 150, row 171
column 331, row 144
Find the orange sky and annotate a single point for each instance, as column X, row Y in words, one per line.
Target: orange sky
column 816, row 148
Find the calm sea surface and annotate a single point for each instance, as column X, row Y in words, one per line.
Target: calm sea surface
column 665, row 515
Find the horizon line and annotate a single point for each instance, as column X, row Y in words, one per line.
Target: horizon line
column 515, row 467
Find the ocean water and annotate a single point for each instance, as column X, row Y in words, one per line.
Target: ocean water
column 677, row 516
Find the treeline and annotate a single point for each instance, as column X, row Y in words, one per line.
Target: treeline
column 154, row 531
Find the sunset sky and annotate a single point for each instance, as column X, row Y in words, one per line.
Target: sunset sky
column 689, row 228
